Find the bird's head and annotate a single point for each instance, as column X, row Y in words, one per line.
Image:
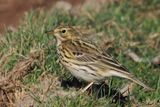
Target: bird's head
column 63, row 33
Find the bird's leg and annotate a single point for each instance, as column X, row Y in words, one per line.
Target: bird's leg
column 85, row 88
column 106, row 82
column 127, row 89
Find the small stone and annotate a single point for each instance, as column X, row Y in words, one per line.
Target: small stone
column 133, row 56
column 66, row 6
column 156, row 60
column 93, row 5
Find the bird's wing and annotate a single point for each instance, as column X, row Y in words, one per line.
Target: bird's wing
column 87, row 53
column 112, row 62
column 99, row 60
column 104, row 64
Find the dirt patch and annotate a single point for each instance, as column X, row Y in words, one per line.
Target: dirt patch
column 14, row 93
column 11, row 84
column 11, row 11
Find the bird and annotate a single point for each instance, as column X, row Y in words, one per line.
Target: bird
column 85, row 60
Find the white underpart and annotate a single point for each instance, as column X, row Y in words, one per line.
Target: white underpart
column 79, row 72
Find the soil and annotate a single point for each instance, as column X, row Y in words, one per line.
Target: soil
column 11, row 11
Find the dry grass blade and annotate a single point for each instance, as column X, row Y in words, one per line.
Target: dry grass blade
column 4, row 58
column 11, row 82
column 154, row 40
column 107, row 43
column 25, row 66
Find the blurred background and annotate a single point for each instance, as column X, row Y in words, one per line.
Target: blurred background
column 30, row 75
column 12, row 11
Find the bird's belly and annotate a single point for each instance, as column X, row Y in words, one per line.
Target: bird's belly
column 82, row 72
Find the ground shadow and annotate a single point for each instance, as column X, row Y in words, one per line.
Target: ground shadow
column 97, row 90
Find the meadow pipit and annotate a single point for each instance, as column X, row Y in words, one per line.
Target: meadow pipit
column 86, row 61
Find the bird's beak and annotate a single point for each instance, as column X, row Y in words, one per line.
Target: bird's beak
column 49, row 32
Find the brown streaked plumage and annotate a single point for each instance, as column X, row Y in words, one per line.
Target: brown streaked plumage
column 85, row 61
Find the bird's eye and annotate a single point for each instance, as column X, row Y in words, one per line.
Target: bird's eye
column 63, row 31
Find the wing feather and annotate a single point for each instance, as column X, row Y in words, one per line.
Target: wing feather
column 87, row 53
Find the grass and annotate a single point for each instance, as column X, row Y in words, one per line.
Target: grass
column 125, row 22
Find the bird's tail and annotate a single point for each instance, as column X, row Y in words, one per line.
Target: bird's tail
column 129, row 76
